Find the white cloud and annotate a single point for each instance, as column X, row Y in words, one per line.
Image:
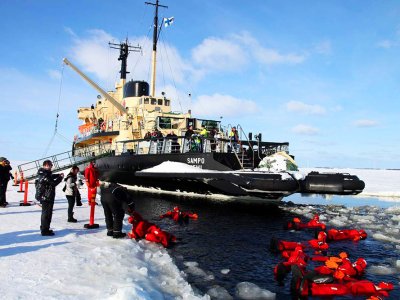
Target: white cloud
column 337, row 108
column 92, row 54
column 386, row 44
column 365, row 123
column 323, row 47
column 298, row 106
column 70, row 31
column 236, row 51
column 228, row 106
column 219, row 54
column 265, row 55
column 54, row 74
column 305, row 129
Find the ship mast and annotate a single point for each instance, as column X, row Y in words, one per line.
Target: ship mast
column 124, row 49
column 154, row 54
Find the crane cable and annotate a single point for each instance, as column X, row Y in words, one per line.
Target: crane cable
column 58, row 113
column 172, row 73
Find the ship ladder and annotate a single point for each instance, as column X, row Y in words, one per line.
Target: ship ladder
column 65, row 160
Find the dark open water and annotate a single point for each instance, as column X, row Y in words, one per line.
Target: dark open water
column 236, row 238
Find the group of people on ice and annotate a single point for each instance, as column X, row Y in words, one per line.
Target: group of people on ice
column 331, row 275
column 115, row 200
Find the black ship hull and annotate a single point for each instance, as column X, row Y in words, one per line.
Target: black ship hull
column 221, row 175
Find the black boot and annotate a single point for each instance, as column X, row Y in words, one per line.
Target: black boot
column 119, row 235
column 71, row 219
column 47, row 232
column 110, row 233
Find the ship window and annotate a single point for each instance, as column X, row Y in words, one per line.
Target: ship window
column 164, row 123
column 153, row 101
column 146, row 101
column 176, row 123
column 167, row 102
column 209, row 124
column 159, row 101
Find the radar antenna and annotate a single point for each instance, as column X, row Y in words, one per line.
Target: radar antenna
column 124, row 49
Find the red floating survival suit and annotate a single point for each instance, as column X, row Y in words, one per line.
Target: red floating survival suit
column 346, row 234
column 151, row 232
column 179, row 216
column 311, row 287
column 312, row 224
column 319, row 244
column 92, row 182
column 342, row 269
column 92, row 176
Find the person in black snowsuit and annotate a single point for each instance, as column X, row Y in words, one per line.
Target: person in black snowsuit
column 45, row 193
column 5, row 176
column 115, row 199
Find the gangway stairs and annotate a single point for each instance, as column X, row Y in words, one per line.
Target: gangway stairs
column 66, row 160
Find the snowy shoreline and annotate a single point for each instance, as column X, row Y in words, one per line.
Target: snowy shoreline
column 77, row 263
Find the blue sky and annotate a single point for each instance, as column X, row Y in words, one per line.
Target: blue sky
column 321, row 75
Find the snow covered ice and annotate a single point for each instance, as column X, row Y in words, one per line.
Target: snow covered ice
column 86, row 264
column 78, row 263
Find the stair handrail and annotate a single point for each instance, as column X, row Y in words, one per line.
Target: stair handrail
column 248, row 141
column 57, row 160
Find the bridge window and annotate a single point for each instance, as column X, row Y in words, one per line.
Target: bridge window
column 167, row 102
column 159, row 101
column 153, row 101
column 164, row 123
column 146, row 101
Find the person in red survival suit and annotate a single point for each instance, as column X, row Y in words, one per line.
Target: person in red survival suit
column 346, row 234
column 320, row 243
column 179, row 216
column 341, row 268
column 92, row 181
column 313, row 284
column 151, row 232
column 297, row 257
column 285, row 247
column 314, row 223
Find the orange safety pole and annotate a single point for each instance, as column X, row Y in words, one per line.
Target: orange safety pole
column 15, row 179
column 92, row 203
column 25, row 202
column 20, row 186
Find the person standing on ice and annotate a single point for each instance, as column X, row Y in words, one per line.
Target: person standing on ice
column 71, row 192
column 113, row 199
column 5, row 176
column 45, row 193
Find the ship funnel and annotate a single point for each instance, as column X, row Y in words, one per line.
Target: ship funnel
column 136, row 89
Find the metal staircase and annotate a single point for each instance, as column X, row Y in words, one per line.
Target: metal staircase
column 66, row 160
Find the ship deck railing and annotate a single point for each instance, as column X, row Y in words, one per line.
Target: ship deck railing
column 196, row 143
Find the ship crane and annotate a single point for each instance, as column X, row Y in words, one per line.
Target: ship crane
column 112, row 100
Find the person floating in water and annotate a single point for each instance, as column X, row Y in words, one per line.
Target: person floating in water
column 306, row 284
column 296, row 224
column 179, row 216
column 346, row 234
